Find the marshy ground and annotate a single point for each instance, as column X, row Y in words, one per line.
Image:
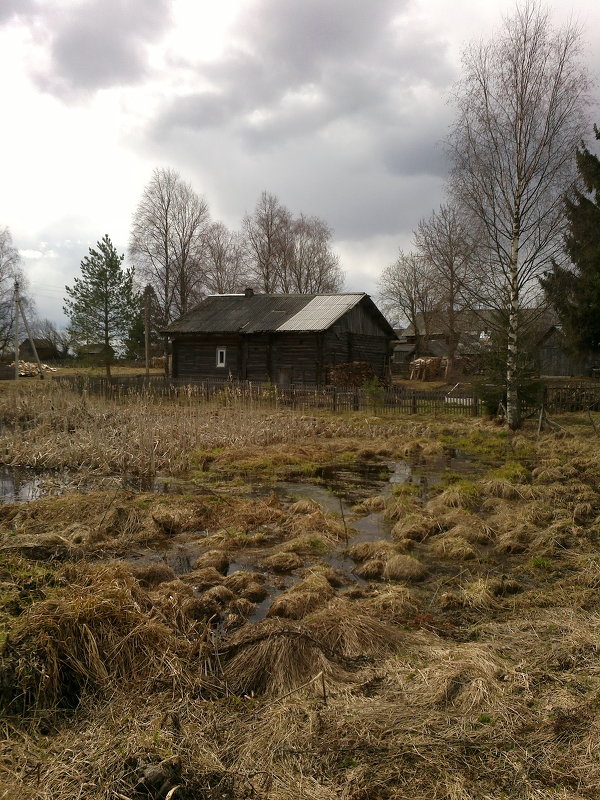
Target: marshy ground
column 217, row 601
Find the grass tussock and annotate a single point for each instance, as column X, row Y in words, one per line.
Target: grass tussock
column 87, row 639
column 402, row 567
column 309, row 594
column 416, row 526
column 452, row 546
column 370, row 505
column 344, row 629
column 276, row 656
column 363, row 551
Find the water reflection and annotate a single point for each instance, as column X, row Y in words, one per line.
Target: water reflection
column 18, row 486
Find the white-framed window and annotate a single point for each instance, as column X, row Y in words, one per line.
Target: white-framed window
column 221, row 356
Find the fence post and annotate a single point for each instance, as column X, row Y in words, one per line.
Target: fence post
column 334, row 399
column 474, row 407
column 413, row 402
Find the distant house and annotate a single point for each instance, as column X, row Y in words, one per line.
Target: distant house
column 541, row 337
column 46, row 350
column 95, row 353
column 282, row 338
column 556, row 360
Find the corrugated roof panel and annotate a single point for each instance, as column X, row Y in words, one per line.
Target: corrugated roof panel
column 321, row 312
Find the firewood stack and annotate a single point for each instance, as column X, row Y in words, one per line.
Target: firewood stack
column 29, row 369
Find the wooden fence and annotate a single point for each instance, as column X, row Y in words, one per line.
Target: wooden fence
column 333, row 398
column 399, row 399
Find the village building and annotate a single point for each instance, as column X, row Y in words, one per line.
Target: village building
column 541, row 338
column 281, row 338
column 95, row 353
column 46, row 350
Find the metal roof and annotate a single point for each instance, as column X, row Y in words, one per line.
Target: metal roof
column 268, row 313
column 321, row 312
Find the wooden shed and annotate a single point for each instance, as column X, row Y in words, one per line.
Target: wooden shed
column 281, row 338
column 46, row 350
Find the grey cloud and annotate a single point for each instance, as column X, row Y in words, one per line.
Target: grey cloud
column 100, row 43
column 349, row 52
column 16, row 8
column 362, row 151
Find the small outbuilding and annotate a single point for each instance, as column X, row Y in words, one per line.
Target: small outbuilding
column 282, row 338
column 95, row 353
column 46, row 350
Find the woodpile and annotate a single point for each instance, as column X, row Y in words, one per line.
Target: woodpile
column 426, row 369
column 158, row 362
column 29, row 369
column 352, row 373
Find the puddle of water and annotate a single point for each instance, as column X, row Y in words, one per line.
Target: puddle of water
column 180, row 556
column 19, row 485
column 370, row 528
column 339, row 487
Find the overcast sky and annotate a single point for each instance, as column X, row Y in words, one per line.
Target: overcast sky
column 339, row 107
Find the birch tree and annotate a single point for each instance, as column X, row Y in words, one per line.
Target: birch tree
column 521, row 113
column 288, row 254
column 10, row 271
column 312, row 267
column 267, row 236
column 167, row 240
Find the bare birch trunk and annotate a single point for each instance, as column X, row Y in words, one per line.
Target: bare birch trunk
column 512, row 397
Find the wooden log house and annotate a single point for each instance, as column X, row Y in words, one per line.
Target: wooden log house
column 281, row 338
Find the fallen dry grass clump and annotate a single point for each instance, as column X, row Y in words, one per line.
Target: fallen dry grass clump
column 86, row 639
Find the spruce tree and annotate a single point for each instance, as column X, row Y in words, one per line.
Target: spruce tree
column 574, row 290
column 101, row 305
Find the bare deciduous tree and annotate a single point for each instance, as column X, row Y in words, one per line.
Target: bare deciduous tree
column 447, row 246
column 224, row 268
column 62, row 339
column 10, row 270
column 313, row 267
column 407, row 292
column 167, row 240
column 289, row 255
column 267, row 235
column 521, row 105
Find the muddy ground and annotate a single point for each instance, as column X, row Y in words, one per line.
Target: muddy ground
column 381, row 608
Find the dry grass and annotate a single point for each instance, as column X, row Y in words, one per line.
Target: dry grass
column 452, row 546
column 416, row 526
column 403, row 567
column 478, row 681
column 312, row 592
column 283, row 562
column 363, row 551
column 97, row 634
column 274, row 657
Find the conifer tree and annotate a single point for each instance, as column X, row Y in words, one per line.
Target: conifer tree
column 574, row 290
column 101, row 305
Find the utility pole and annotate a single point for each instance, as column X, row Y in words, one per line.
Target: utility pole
column 16, row 330
column 31, row 340
column 147, row 300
